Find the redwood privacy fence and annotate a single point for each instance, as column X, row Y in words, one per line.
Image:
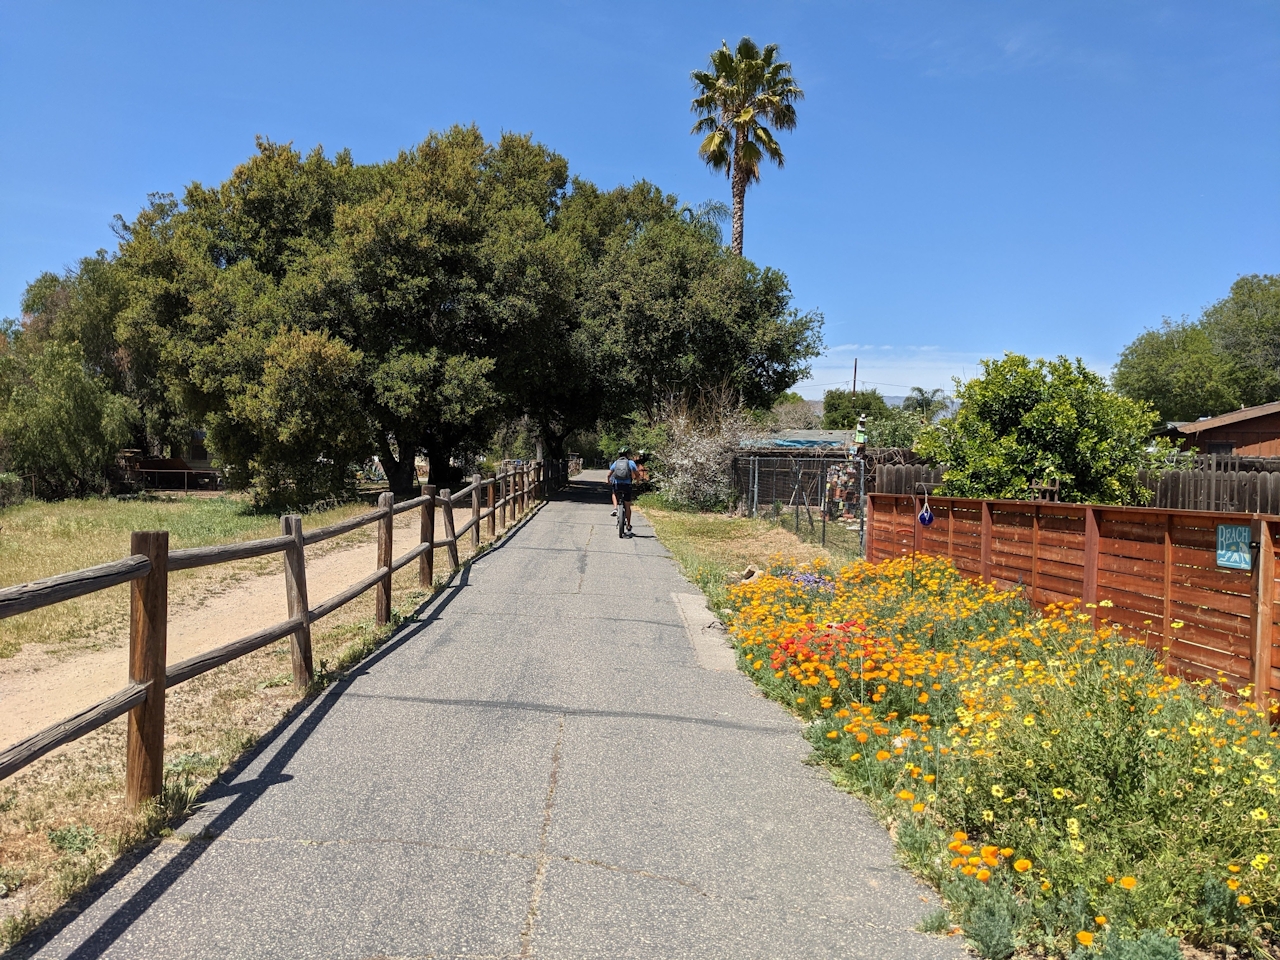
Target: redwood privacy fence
column 1152, row 568
column 493, row 500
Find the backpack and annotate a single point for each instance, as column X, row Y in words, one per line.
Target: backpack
column 621, row 470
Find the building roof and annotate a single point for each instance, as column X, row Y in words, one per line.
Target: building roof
column 798, row 439
column 1226, row 419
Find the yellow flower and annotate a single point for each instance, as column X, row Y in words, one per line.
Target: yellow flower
column 832, row 734
column 882, row 755
column 906, row 795
column 1073, row 826
column 1128, row 882
column 984, row 874
column 1260, row 861
column 1233, row 883
column 988, row 816
column 1022, row 866
column 1244, row 899
column 1085, row 938
column 1059, row 793
column 917, row 807
column 1046, row 885
column 1100, row 920
column 1234, row 868
column 997, row 791
column 1258, row 813
column 1028, row 721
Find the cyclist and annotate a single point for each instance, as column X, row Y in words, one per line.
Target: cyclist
column 621, row 472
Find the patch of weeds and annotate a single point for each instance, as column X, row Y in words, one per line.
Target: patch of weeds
column 937, row 922
column 10, row 880
column 8, row 801
column 990, row 916
column 280, row 680
column 14, row 928
column 1150, row 946
column 73, row 873
column 192, row 764
column 918, row 842
column 73, row 839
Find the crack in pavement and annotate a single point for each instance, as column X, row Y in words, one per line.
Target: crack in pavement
column 455, row 848
column 540, row 870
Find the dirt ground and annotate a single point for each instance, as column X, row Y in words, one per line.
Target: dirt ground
column 42, row 685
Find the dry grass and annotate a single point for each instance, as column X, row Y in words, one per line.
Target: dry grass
column 711, row 546
column 62, row 820
column 43, row 539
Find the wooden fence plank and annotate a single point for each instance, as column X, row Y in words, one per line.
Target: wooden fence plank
column 1264, row 576
column 34, row 747
column 68, row 586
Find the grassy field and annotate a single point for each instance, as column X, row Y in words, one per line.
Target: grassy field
column 62, row 820
column 40, row 539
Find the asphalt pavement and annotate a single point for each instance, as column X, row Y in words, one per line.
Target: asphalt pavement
column 554, row 759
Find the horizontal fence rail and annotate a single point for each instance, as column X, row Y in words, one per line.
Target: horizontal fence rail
column 1153, row 571
column 506, row 496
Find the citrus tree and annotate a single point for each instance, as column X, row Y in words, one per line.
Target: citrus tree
column 1024, row 421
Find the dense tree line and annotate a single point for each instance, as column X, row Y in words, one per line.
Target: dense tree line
column 1229, row 357
column 310, row 312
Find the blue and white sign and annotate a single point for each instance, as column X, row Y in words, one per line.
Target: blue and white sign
column 1233, row 547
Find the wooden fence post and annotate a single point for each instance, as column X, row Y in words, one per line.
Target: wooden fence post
column 984, row 569
column 1089, row 589
column 382, row 599
column 1264, row 586
column 148, row 643
column 427, row 534
column 451, row 539
column 491, row 504
column 476, row 480
column 295, row 589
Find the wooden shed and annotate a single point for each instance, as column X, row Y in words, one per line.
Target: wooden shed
column 1249, row 432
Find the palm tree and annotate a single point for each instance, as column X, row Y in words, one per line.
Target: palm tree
column 744, row 89
column 928, row 403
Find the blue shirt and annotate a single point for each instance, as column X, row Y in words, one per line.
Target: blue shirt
column 631, row 464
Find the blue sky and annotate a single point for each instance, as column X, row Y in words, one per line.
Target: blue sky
column 965, row 179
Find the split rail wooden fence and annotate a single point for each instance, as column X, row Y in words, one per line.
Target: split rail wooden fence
column 1152, row 570
column 493, row 500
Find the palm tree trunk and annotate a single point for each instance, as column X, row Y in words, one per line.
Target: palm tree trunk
column 739, row 184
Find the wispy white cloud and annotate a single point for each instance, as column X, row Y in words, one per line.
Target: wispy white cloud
column 975, row 45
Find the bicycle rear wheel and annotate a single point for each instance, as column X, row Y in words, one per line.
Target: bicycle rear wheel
column 622, row 517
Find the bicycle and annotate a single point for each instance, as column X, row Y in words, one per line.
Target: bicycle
column 622, row 516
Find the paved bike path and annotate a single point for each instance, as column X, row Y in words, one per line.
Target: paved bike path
column 546, row 763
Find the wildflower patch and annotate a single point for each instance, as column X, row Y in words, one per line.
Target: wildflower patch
column 1065, row 792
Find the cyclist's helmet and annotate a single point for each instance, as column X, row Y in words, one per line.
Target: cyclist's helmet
column 622, row 451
